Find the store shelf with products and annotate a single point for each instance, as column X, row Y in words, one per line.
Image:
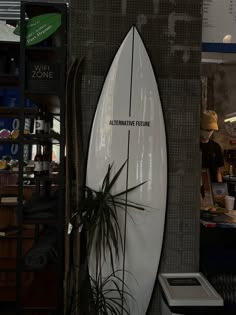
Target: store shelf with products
column 43, row 138
column 33, row 139
column 53, row 179
column 9, row 140
column 42, row 73
column 50, row 98
column 32, row 83
column 14, row 112
column 7, row 136
column 31, row 180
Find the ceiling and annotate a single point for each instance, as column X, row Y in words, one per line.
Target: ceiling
column 9, row 10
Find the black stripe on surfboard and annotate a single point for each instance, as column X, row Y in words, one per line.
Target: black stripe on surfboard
column 126, row 200
column 127, row 172
column 131, row 78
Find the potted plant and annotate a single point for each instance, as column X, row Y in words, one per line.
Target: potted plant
column 98, row 217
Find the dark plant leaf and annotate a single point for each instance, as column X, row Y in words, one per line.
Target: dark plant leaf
column 106, row 180
column 98, row 214
column 120, row 203
column 110, row 185
column 127, row 191
column 113, row 304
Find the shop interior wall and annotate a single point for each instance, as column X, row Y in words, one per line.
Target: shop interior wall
column 221, row 97
column 171, row 30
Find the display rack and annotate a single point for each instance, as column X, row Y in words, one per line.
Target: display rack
column 38, row 264
column 9, row 80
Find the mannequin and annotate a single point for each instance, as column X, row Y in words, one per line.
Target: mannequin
column 212, row 157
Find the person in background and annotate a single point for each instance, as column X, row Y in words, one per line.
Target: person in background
column 212, row 157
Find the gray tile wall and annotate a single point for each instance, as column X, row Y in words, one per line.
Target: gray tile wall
column 171, row 31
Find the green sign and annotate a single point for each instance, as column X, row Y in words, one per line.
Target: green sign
column 40, row 27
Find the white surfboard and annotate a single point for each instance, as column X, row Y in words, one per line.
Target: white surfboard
column 129, row 125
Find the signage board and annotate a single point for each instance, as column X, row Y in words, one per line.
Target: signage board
column 219, row 26
column 43, row 76
column 40, row 27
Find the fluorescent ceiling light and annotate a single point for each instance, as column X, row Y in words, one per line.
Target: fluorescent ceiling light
column 205, row 60
column 230, row 118
column 227, row 39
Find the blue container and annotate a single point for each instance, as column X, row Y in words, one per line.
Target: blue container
column 9, row 149
column 11, row 97
column 12, row 149
column 9, row 123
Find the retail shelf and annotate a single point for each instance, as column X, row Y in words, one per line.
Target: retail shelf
column 10, row 43
column 15, row 112
column 6, row 205
column 7, row 264
column 52, row 100
column 26, row 234
column 4, row 76
column 8, row 140
column 7, row 300
column 34, row 297
column 27, row 269
column 35, row 291
column 7, row 172
column 38, row 220
column 44, row 178
column 7, row 80
column 34, row 139
column 41, row 92
column 44, row 49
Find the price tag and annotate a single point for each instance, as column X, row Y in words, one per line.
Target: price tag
column 80, row 228
column 70, row 227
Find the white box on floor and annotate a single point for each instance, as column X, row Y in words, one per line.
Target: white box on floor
column 188, row 290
